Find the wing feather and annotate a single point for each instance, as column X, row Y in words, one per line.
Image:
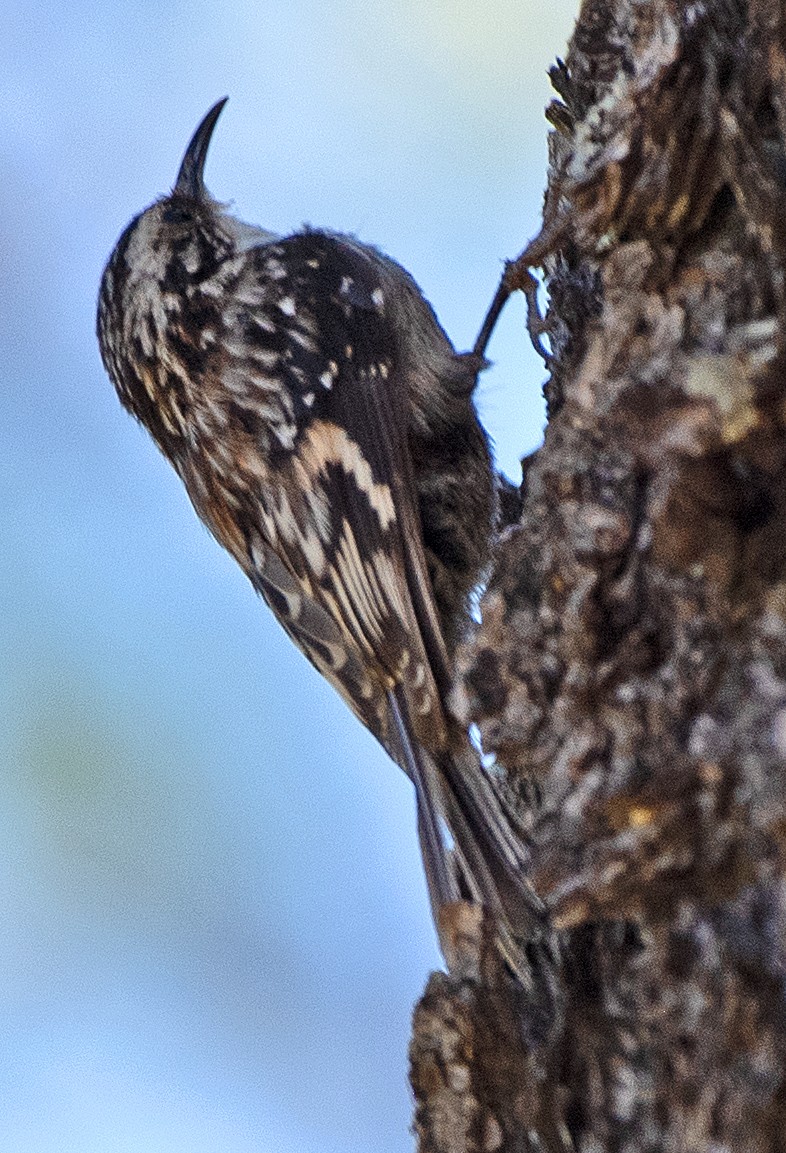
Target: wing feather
column 340, row 511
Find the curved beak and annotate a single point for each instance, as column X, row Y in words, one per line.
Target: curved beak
column 190, row 179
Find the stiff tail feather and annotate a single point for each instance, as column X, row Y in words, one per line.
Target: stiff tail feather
column 471, row 848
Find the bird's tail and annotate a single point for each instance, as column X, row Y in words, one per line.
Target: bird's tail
column 473, row 848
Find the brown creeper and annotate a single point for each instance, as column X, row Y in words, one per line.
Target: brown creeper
column 324, row 428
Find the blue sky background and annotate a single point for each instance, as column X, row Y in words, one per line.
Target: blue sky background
column 214, row 918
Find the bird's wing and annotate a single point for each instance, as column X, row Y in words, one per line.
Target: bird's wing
column 339, row 523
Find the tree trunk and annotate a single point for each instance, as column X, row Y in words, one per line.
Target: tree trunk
column 630, row 670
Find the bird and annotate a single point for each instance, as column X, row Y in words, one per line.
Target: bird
column 325, row 430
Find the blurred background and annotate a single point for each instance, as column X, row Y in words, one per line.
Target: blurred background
column 215, row 923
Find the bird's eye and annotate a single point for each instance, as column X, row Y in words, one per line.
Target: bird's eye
column 176, row 214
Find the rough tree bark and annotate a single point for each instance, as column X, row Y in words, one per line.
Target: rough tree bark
column 630, row 671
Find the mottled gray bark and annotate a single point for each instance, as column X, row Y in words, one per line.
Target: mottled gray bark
column 630, row 671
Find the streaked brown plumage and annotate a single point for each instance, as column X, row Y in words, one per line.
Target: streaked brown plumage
column 324, row 428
